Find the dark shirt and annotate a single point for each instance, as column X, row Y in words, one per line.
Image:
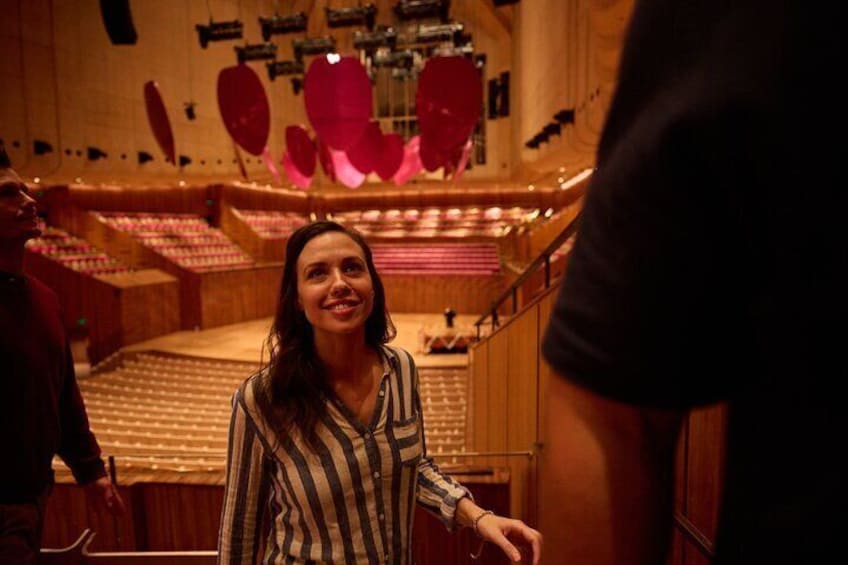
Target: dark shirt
column 708, row 265
column 41, row 410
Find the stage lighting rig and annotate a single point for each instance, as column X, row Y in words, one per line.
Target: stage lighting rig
column 439, row 33
column 382, row 37
column 422, row 9
column 393, row 59
column 565, row 116
column 219, row 31
column 284, row 68
column 353, row 16
column 313, row 46
column 256, row 52
column 278, row 25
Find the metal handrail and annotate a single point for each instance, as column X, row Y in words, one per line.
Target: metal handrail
column 528, row 454
column 544, row 258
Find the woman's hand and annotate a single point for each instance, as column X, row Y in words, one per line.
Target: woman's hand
column 506, row 533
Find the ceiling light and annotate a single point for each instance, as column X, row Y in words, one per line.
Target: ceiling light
column 278, row 25
column 352, row 16
column 218, row 31
column 256, row 52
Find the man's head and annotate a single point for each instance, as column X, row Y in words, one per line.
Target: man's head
column 18, row 220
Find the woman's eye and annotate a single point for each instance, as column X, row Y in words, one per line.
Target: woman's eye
column 353, row 268
column 315, row 273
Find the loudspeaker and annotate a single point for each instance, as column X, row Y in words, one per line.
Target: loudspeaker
column 494, row 92
column 118, row 21
column 503, row 97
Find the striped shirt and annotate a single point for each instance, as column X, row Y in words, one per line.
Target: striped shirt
column 350, row 501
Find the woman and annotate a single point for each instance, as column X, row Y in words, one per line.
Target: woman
column 326, row 448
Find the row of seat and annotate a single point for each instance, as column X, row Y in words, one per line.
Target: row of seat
column 272, row 224
column 74, row 253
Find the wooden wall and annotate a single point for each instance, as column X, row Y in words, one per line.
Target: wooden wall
column 181, row 517
column 262, row 249
column 434, row 293
column 507, row 412
column 111, row 310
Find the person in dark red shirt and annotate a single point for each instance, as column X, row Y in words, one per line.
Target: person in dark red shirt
column 41, row 410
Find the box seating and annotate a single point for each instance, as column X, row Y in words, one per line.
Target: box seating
column 185, row 239
column 272, row 224
column 74, row 253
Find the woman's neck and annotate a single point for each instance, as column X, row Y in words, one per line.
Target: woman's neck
column 346, row 358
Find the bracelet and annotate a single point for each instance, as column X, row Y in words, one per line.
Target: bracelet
column 478, row 518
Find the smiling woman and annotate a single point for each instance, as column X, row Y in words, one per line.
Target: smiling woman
column 327, row 441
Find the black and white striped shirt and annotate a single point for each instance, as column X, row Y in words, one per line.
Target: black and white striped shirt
column 352, row 500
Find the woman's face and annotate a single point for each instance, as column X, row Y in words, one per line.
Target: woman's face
column 334, row 287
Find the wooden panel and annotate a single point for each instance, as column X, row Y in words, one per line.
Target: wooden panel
column 69, row 513
column 521, row 415
column 181, row 517
column 478, row 397
column 498, row 400
column 434, row 293
column 705, row 462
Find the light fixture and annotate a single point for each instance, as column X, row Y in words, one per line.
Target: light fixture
column 256, row 52
column 393, row 59
column 438, row 33
column 422, row 9
column 218, row 31
column 565, row 116
column 382, row 37
column 144, row 157
column 95, row 153
column 189, row 110
column 284, row 68
column 352, row 16
column 313, row 46
column 279, row 25
column 40, row 147
column 297, row 85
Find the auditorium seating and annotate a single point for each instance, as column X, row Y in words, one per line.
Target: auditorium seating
column 74, row 253
column 185, row 239
column 450, row 223
column 169, row 415
column 437, row 259
column 272, row 224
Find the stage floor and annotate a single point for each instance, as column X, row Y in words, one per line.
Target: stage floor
column 243, row 342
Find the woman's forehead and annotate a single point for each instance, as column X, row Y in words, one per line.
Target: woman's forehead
column 330, row 246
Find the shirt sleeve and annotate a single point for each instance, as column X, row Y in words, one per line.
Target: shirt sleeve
column 245, row 491
column 437, row 491
column 78, row 447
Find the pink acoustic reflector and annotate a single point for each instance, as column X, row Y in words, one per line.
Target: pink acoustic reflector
column 345, row 172
column 157, row 115
column 293, row 172
column 244, row 107
column 391, row 156
column 326, row 160
column 448, row 100
column 411, row 164
column 365, row 153
column 301, row 150
column 462, row 161
column 337, row 94
column 431, row 156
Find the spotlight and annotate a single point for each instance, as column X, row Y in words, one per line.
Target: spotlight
column 313, row 46
column 189, row 110
column 352, row 16
column 144, row 157
column 256, row 52
column 184, row 160
column 565, row 116
column 95, row 153
column 422, row 9
column 279, row 25
column 40, row 147
column 553, row 128
column 437, row 33
column 218, row 31
column 297, row 85
column 383, row 37
column 393, row 59
column 283, row 68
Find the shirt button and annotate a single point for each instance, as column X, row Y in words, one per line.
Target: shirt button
column 381, row 516
column 367, row 435
column 376, row 474
column 381, row 393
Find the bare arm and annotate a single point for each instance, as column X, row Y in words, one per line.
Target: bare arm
column 607, row 479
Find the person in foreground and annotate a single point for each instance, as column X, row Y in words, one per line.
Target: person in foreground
column 41, row 411
column 709, row 267
column 326, row 457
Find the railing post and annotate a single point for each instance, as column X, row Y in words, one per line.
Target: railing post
column 478, row 330
column 514, row 300
column 547, row 271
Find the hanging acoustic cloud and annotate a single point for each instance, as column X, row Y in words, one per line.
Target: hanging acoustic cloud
column 218, row 31
column 279, row 25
